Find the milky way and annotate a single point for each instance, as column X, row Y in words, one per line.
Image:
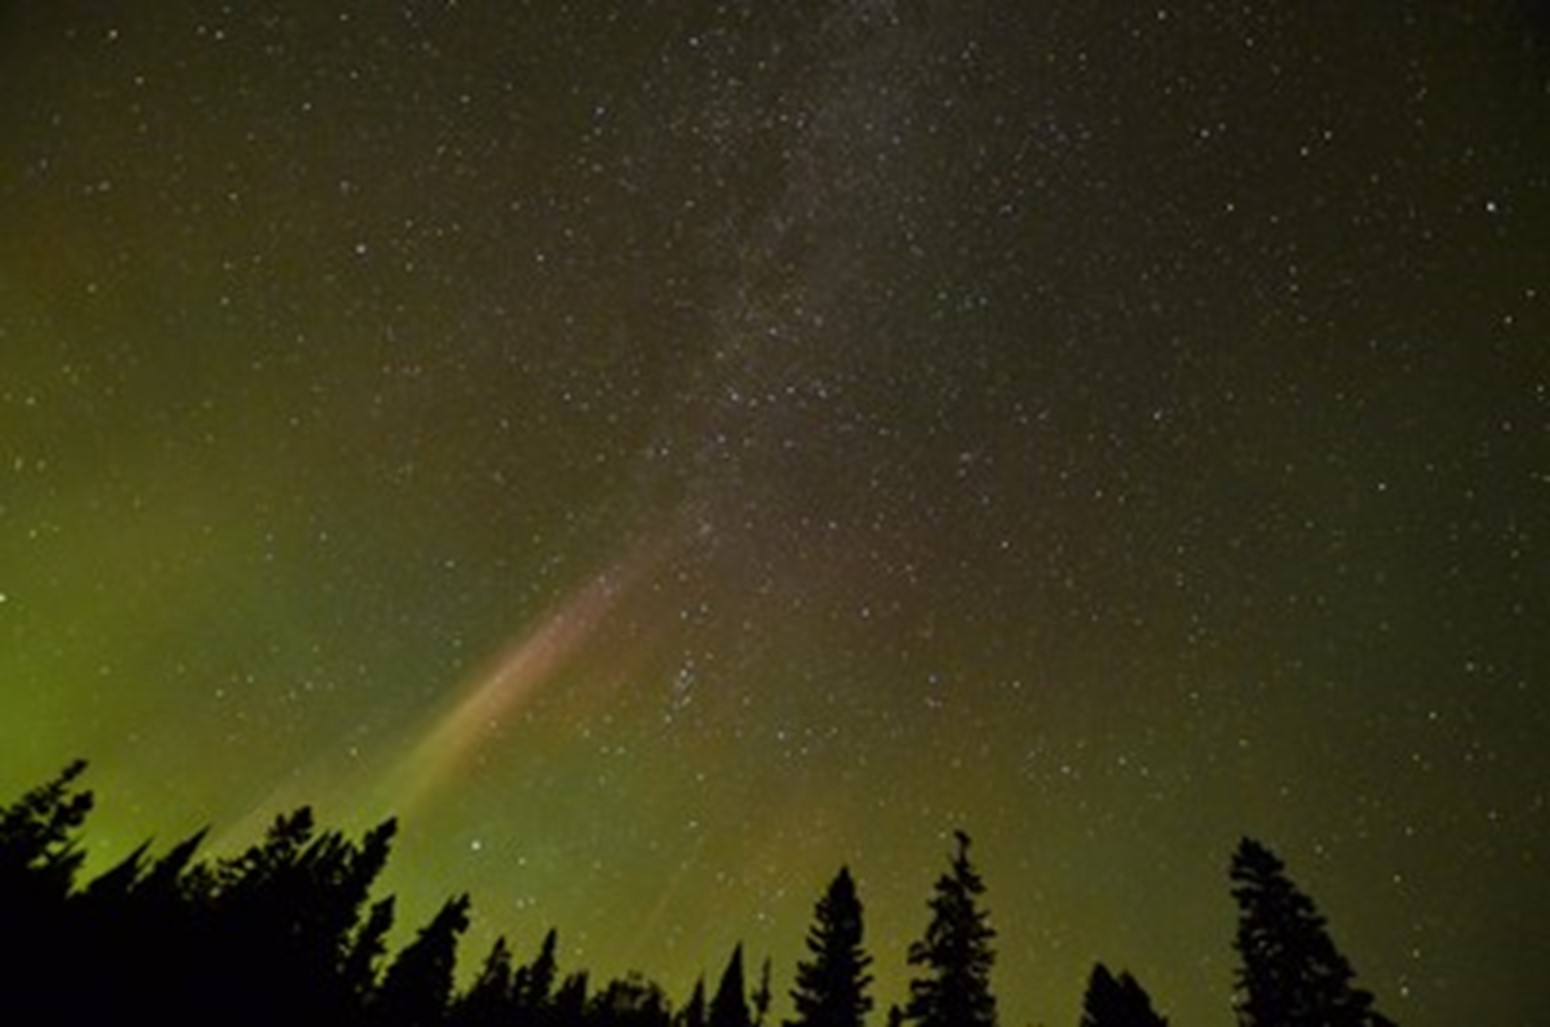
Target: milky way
column 666, row 451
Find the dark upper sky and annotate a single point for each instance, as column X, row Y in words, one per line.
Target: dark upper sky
column 667, row 450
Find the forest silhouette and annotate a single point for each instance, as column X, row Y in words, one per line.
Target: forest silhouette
column 290, row 932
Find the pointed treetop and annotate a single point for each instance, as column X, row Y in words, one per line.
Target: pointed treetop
column 729, row 1006
column 1117, row 1002
column 1291, row 972
column 831, row 986
column 955, row 954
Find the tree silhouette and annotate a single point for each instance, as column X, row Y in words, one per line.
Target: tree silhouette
column 367, row 949
column 418, row 987
column 533, row 985
column 955, row 953
column 1121, row 1002
column 39, row 860
column 278, row 923
column 1291, row 973
column 831, row 986
column 729, row 1006
column 693, row 1013
column 115, row 915
column 283, row 932
column 39, row 857
column 288, row 931
column 762, row 995
column 488, row 999
column 570, row 1000
column 631, row 1001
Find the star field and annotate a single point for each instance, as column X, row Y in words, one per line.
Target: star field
column 664, row 451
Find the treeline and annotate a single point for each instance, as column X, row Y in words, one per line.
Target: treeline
column 289, row 933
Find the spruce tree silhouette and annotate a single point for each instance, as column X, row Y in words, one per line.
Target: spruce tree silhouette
column 278, row 924
column 284, row 932
column 631, row 1001
column 1291, row 975
column 267, row 935
column 367, row 950
column 1117, row 1003
column 287, row 932
column 533, row 987
column 955, row 953
column 762, row 995
column 525, row 996
column 569, row 1006
column 136, row 926
column 729, row 1006
column 831, row 986
column 417, row 989
column 39, row 857
column 39, row 860
column 488, row 1000
column 693, row 1012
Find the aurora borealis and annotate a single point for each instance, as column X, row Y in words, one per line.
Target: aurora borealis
column 665, row 451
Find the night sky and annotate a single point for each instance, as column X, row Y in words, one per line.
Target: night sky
column 664, row 451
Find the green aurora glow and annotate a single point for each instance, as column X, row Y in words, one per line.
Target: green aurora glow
column 668, row 451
